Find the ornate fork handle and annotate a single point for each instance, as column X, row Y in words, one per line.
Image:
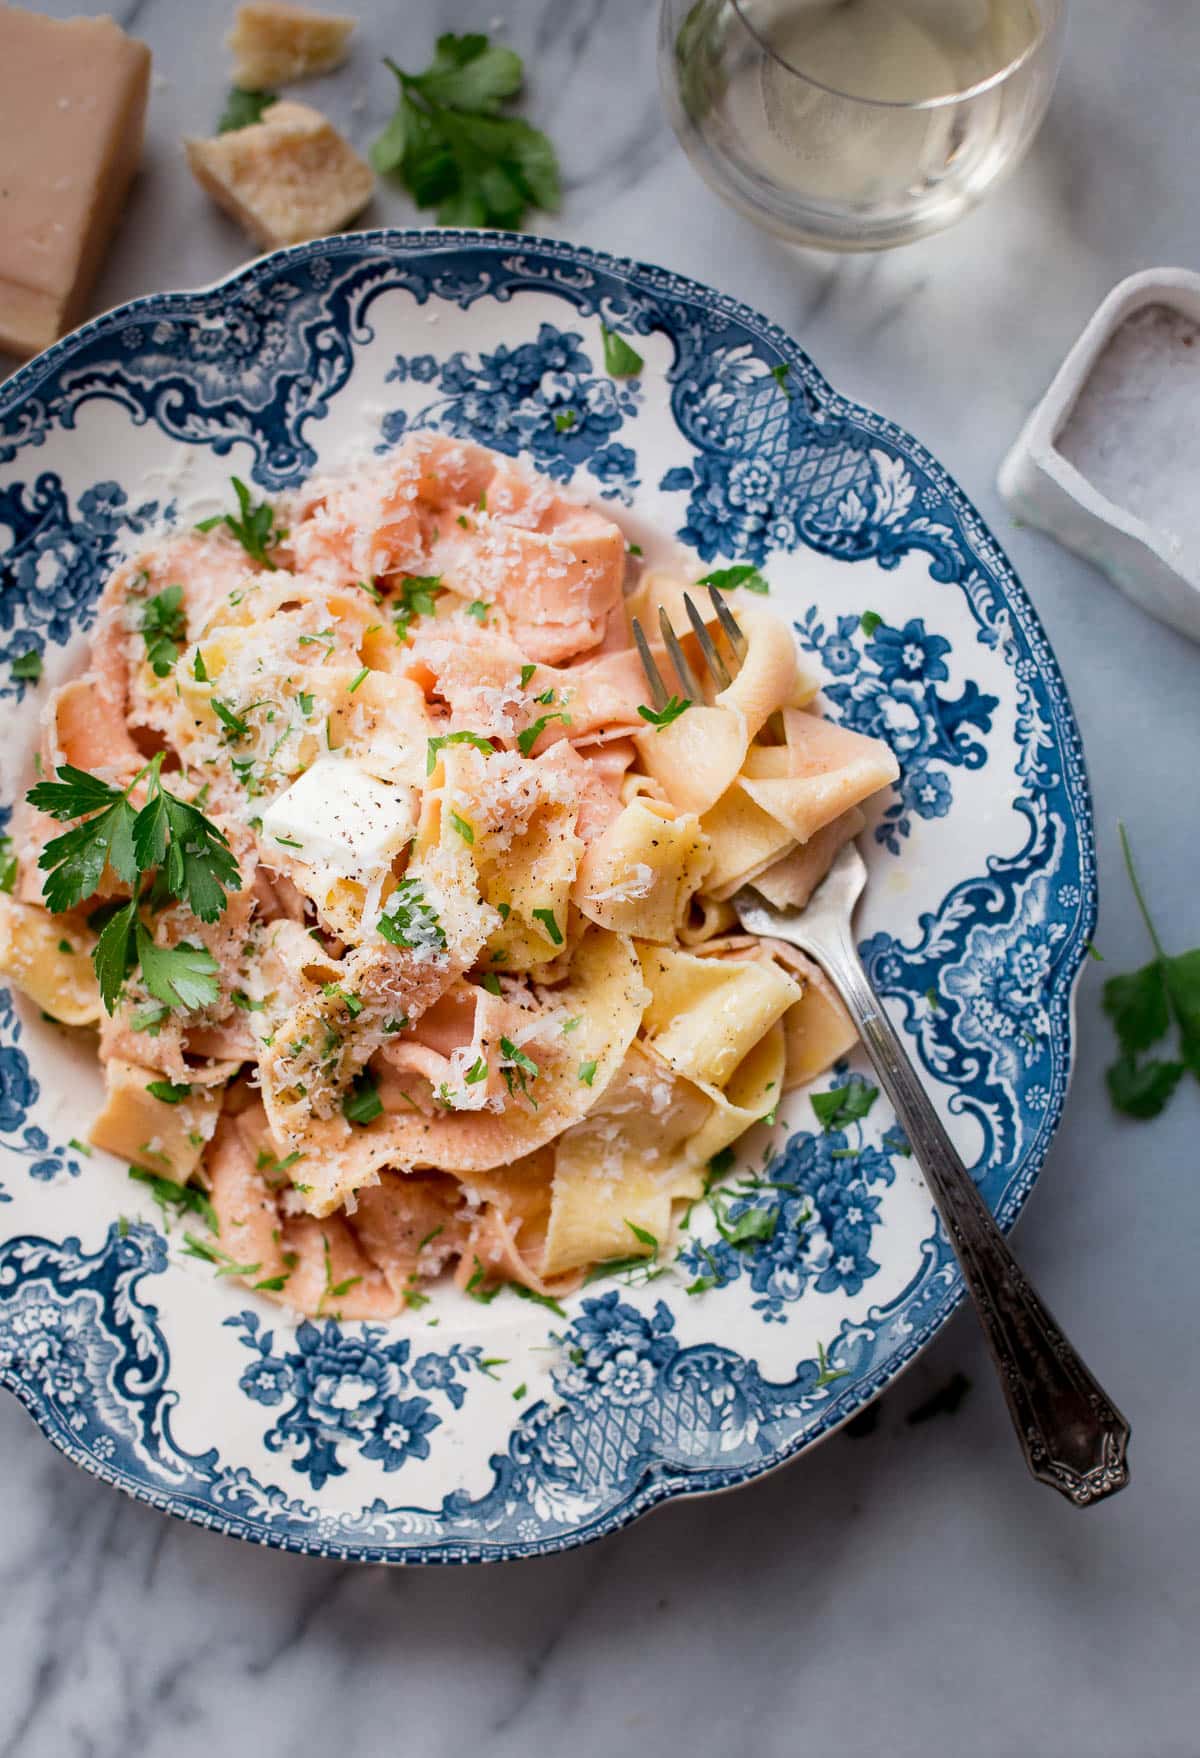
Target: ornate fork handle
column 1071, row 1433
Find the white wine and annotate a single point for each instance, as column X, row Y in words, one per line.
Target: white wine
column 886, row 113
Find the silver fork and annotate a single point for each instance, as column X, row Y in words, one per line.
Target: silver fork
column 1071, row 1433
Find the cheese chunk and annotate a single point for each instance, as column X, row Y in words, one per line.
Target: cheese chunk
column 274, row 43
column 287, row 178
column 72, row 111
column 343, row 820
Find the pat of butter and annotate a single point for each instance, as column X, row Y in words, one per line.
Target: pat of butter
column 339, row 818
column 72, row 110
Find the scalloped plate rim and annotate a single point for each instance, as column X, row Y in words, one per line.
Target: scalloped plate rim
column 657, row 1484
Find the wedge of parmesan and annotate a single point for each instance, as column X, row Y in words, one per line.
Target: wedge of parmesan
column 274, row 44
column 289, row 177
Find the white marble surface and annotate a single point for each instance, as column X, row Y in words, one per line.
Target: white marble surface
column 909, row 1592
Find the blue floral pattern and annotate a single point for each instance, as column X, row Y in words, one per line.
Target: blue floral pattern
column 760, row 458
column 806, row 1222
column 542, row 399
column 892, row 694
column 348, row 1390
column 55, row 561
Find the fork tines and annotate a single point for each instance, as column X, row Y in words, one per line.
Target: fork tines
column 713, row 659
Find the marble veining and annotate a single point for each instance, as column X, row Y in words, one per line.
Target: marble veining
column 908, row 1590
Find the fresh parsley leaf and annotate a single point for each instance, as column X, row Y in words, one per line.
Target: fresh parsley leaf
column 491, row 983
column 846, row 1104
column 620, row 360
column 550, row 922
column 1138, row 1007
column 164, row 630
column 169, row 1091
column 743, row 574
column 361, row 1103
column 642, row 1235
column 454, row 738
column 1142, row 1089
column 664, row 716
column 242, row 108
column 462, row 827
column 410, row 921
column 27, row 665
column 477, row 1072
column 182, row 976
column 1142, row 1005
column 75, row 861
column 116, row 954
column 527, row 672
column 254, row 529
column 529, row 738
column 869, row 621
column 452, row 148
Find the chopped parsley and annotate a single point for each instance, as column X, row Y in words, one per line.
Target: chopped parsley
column 620, row 360
column 478, row 608
column 664, row 716
column 349, row 1000
column 361, row 1103
column 529, row 738
column 516, row 1060
column 212, row 1254
column 780, row 375
column 254, row 528
column 411, row 922
column 478, row 1071
column 173, row 1198
column 463, row 828
column 564, row 420
column 169, row 1091
column 527, row 672
column 8, row 865
column 28, row 666
column 164, row 630
column 587, row 1072
column 362, row 677
column 845, row 1104
column 549, row 921
column 476, row 740
column 869, row 621
column 491, row 983
column 743, row 574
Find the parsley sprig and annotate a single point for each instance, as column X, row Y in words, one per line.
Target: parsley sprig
column 164, row 629
column 452, row 148
column 255, row 529
column 167, row 841
column 1142, row 1006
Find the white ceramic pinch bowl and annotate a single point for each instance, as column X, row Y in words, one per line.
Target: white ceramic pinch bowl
column 1109, row 461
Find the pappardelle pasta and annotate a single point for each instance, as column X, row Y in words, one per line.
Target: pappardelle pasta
column 402, row 915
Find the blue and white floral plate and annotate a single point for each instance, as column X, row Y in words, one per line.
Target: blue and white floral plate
column 468, row 1432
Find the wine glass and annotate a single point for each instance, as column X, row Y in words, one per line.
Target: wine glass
column 857, row 124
